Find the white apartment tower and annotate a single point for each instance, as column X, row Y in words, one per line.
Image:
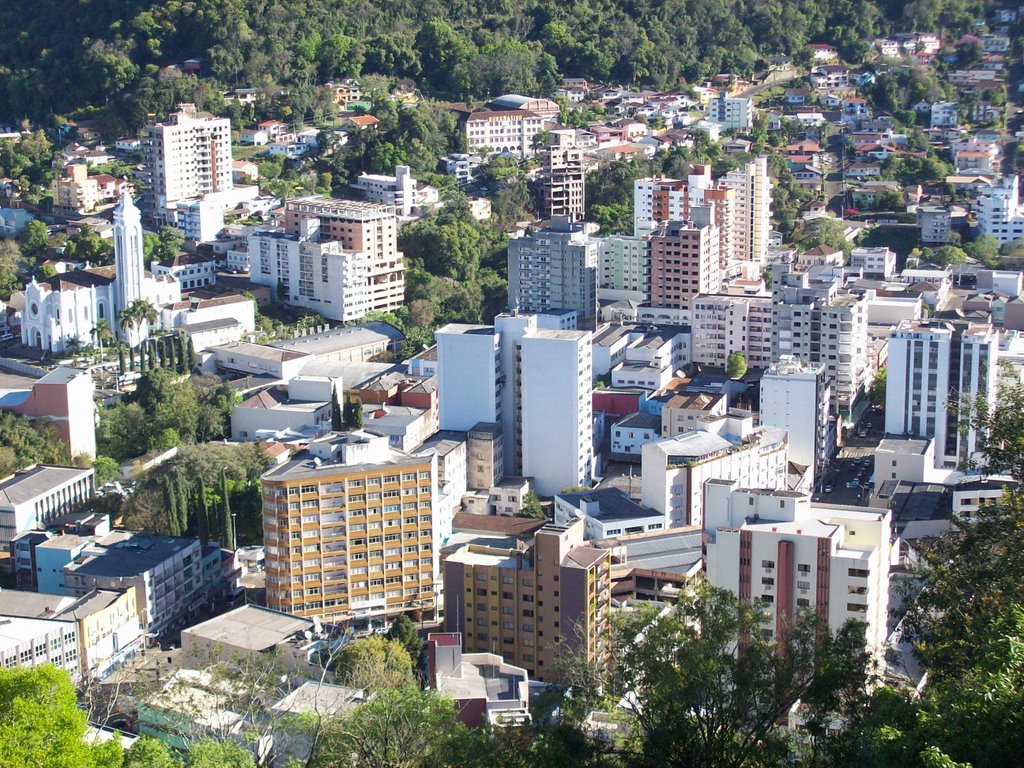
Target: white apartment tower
column 753, row 205
column 774, row 548
column 188, row 156
column 731, row 112
column 317, row 275
column 722, row 324
column 555, row 268
column 917, row 384
column 978, row 376
column 936, row 372
column 360, row 227
column 534, row 382
column 795, row 397
column 819, row 325
column 999, row 211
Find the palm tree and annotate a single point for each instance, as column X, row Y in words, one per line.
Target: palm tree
column 126, row 319
column 136, row 314
column 72, row 345
column 102, row 333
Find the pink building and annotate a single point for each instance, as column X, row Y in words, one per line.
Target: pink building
column 63, row 396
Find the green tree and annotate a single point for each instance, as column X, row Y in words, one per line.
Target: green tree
column 404, row 631
column 352, row 414
column 202, row 515
column 877, row 392
column 220, row 754
column 395, row 729
column 532, row 507
column 709, row 687
column 11, row 266
column 41, row 724
column 227, row 521
column 984, row 249
column 336, row 421
column 35, row 239
column 736, row 365
column 375, row 663
column 148, row 752
column 106, row 470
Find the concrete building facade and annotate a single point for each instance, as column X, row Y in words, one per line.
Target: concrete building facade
column 530, row 606
column 360, row 227
column 349, row 531
column 555, row 268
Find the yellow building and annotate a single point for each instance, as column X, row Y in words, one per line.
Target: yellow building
column 349, row 531
column 76, row 191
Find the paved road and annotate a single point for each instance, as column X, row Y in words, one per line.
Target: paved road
column 854, row 464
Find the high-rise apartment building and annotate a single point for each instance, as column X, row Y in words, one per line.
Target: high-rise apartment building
column 188, row 156
column 753, row 210
column 317, row 275
column 795, row 397
column 563, row 177
column 819, row 325
column 917, row 384
column 361, row 227
column 534, row 383
column 722, row 324
column 555, row 268
column 936, row 373
column 684, row 260
column 624, row 265
column 531, row 606
column 657, row 200
column 977, row 377
column 350, row 531
column 776, row 549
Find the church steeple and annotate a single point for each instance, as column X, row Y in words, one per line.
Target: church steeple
column 128, row 256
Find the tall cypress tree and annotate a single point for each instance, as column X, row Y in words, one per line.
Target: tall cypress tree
column 131, row 359
column 181, row 493
column 170, row 504
column 190, row 357
column 120, row 361
column 335, row 411
column 202, row 516
column 227, row 523
column 161, row 349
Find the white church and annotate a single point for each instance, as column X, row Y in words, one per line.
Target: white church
column 69, row 305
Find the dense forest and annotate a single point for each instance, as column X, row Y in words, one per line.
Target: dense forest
column 56, row 58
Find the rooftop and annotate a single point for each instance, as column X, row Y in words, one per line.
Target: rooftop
column 338, row 339
column 613, row 504
column 25, row 486
column 260, row 351
column 250, row 628
column 676, row 551
column 126, row 554
column 500, row 524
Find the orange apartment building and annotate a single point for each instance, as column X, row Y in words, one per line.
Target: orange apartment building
column 349, row 532
column 528, row 605
column 370, row 228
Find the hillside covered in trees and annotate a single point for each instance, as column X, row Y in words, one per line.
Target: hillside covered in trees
column 56, row 59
